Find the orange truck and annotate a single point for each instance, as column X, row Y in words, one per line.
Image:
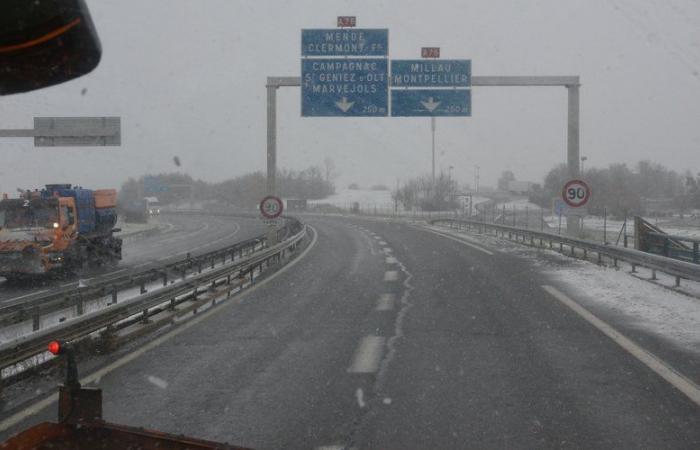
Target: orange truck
column 59, row 228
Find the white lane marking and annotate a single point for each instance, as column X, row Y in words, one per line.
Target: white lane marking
column 386, row 250
column 331, row 447
column 391, row 260
column 44, row 403
column 386, row 302
column 360, row 396
column 664, row 370
column 382, row 243
column 376, row 237
column 367, row 355
column 158, row 382
column 461, row 241
column 27, row 295
column 391, row 275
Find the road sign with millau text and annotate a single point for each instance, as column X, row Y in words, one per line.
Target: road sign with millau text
column 430, row 102
column 345, row 42
column 344, row 87
column 431, row 73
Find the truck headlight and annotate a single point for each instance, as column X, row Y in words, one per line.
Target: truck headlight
column 55, row 225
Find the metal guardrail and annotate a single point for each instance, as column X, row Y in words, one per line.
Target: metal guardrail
column 25, row 347
column 636, row 258
column 38, row 305
column 666, row 249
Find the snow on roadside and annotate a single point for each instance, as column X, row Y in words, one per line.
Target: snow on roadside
column 640, row 304
column 667, row 314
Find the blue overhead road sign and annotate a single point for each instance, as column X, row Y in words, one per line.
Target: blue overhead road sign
column 345, row 42
column 344, row 87
column 430, row 102
column 431, row 73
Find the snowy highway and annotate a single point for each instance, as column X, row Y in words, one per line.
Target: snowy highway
column 389, row 335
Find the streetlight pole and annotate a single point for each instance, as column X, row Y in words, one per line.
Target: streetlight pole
column 476, row 178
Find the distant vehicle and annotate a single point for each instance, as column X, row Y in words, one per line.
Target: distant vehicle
column 58, row 228
column 152, row 205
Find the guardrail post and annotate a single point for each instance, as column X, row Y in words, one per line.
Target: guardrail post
column 634, row 268
column 696, row 253
column 600, row 258
column 165, row 278
column 213, row 263
column 199, row 267
column 653, row 274
column 114, row 296
column 79, row 305
column 678, row 281
column 36, row 319
column 561, row 247
column 585, row 254
column 573, row 252
column 144, row 316
column 143, row 287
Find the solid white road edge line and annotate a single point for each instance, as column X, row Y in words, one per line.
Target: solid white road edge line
column 664, row 370
column 41, row 404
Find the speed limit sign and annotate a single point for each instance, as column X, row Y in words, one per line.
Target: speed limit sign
column 271, row 207
column 576, row 193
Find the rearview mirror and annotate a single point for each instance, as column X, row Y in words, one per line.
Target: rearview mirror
column 45, row 42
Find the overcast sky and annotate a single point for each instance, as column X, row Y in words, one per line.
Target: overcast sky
column 188, row 79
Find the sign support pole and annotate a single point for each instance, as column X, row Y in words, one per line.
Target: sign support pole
column 573, row 223
column 271, row 153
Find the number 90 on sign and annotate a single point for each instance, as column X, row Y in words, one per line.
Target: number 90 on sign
column 576, row 193
column 271, row 207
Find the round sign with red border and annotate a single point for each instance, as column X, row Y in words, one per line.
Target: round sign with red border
column 576, row 193
column 271, row 207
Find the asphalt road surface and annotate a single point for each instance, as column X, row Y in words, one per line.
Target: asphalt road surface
column 385, row 336
column 180, row 234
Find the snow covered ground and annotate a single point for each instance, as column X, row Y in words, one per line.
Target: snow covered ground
column 639, row 304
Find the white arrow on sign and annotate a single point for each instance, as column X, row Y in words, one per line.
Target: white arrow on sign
column 344, row 104
column 430, row 105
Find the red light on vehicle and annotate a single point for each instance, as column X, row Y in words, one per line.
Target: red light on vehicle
column 55, row 347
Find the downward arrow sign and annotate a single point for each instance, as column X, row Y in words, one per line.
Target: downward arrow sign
column 430, row 105
column 344, row 104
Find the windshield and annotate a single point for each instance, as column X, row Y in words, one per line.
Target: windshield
column 352, row 224
column 28, row 217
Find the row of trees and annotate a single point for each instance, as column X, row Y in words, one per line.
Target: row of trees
column 242, row 191
column 422, row 193
column 624, row 191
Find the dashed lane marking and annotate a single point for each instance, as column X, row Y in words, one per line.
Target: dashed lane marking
column 391, row 275
column 386, row 302
column 391, row 260
column 665, row 371
column 368, row 355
